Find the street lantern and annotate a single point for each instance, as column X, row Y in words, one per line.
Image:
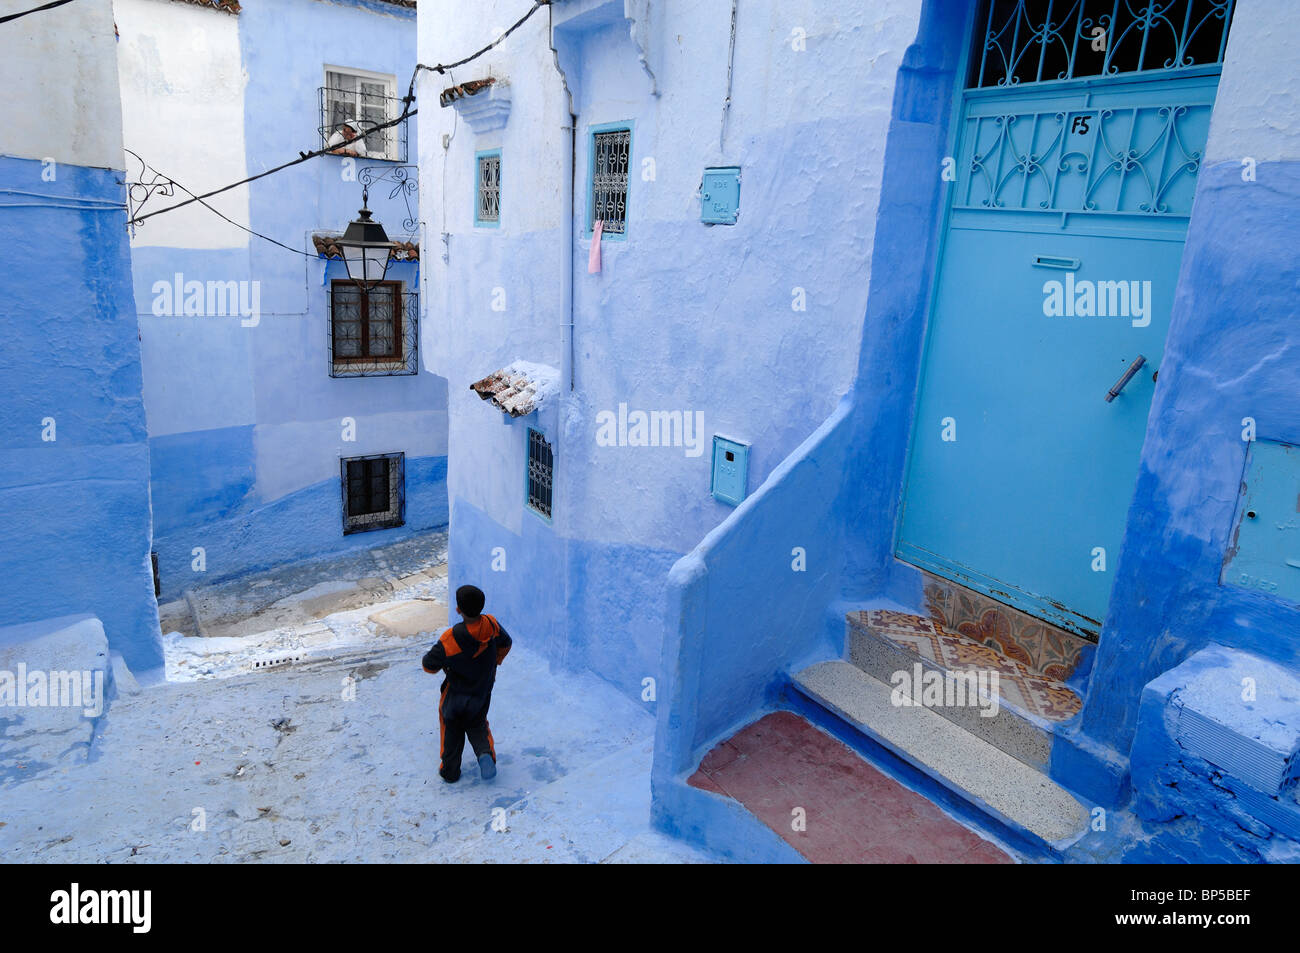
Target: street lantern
column 365, row 247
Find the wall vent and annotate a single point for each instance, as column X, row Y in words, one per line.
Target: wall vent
column 1258, row 765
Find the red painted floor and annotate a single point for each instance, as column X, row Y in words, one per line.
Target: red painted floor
column 854, row 813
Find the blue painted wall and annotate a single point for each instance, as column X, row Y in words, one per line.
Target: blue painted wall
column 74, row 511
column 683, row 316
column 246, row 425
column 1228, row 357
column 686, row 316
column 836, row 495
column 1231, row 354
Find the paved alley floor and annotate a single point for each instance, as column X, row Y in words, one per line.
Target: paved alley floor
column 336, row 761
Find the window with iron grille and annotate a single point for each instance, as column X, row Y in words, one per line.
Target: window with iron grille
column 611, row 152
column 1032, row 41
column 488, row 210
column 374, row 492
column 372, row 333
column 370, row 100
column 541, row 472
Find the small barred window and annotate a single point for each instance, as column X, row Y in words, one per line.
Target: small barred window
column 489, row 189
column 541, row 471
column 372, row 333
column 611, row 156
column 374, row 492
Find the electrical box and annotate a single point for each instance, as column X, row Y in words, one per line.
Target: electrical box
column 730, row 470
column 720, row 196
column 1264, row 554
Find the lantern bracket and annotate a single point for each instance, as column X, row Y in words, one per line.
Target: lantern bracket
column 405, row 181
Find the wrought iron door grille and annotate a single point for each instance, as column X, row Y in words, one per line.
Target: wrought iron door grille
column 1135, row 161
column 374, row 492
column 541, row 471
column 610, row 157
column 489, row 189
column 375, row 333
column 1031, row 41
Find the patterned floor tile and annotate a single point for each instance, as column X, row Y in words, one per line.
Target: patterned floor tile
column 1046, row 649
column 1019, row 684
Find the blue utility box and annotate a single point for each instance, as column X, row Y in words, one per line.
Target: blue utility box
column 730, row 470
column 720, row 196
column 1264, row 554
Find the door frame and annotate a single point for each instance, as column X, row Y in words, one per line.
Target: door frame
column 1041, row 607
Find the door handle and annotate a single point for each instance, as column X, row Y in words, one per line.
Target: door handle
column 1128, row 376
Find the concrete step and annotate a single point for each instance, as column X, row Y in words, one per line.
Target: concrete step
column 1029, row 704
column 1000, row 786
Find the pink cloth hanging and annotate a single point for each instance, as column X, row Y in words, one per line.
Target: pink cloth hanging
column 593, row 260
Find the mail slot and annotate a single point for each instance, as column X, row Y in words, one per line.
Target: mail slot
column 1264, row 552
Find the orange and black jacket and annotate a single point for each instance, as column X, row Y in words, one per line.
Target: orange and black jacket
column 469, row 653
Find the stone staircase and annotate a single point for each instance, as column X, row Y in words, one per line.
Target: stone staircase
column 971, row 694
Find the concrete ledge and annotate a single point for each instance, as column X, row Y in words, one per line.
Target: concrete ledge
column 1218, row 739
column 54, row 686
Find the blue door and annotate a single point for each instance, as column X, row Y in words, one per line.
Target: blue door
column 1058, row 267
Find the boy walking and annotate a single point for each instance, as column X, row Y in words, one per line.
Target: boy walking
column 468, row 653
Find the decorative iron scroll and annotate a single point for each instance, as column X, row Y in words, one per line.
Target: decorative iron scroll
column 405, row 182
column 1139, row 160
column 144, row 185
column 1028, row 41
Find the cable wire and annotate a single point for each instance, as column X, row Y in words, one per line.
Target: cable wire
column 219, row 213
column 302, row 157
column 407, row 112
column 47, row 6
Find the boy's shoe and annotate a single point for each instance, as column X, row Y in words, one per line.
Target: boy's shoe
column 452, row 780
column 487, row 766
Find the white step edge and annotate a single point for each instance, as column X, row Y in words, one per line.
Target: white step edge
column 985, row 775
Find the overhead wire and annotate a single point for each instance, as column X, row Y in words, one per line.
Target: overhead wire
column 407, row 112
column 218, row 212
column 24, row 13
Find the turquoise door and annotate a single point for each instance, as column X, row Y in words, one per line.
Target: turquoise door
column 1057, row 272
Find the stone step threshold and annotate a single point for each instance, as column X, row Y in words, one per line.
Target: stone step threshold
column 997, row 784
column 1000, row 721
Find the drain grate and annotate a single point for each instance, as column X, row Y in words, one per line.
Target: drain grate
column 279, row 661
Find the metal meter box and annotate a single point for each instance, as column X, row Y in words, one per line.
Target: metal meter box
column 1264, row 554
column 730, row 470
column 720, row 196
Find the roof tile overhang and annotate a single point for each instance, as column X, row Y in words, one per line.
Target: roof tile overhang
column 453, row 93
column 519, row 388
column 226, row 6
column 327, row 247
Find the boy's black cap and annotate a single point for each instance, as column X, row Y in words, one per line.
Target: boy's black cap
column 470, row 600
